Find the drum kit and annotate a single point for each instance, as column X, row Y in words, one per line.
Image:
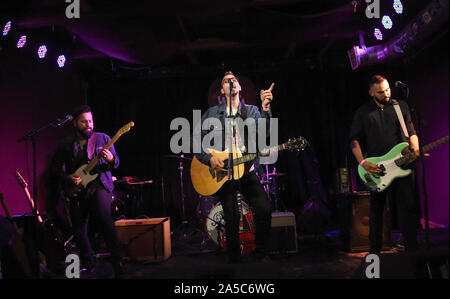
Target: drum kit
column 211, row 212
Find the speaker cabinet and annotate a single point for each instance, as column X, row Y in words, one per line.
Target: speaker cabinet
column 145, row 240
column 354, row 211
column 283, row 233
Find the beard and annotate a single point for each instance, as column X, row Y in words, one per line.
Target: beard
column 383, row 101
column 86, row 133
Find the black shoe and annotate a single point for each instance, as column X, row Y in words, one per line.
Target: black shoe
column 118, row 270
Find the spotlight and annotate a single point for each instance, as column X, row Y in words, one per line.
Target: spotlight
column 22, row 41
column 398, row 6
column 61, row 60
column 387, row 22
column 42, row 51
column 6, row 28
column 378, row 34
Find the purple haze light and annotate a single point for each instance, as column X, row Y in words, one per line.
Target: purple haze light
column 387, row 22
column 61, row 60
column 6, row 28
column 22, row 41
column 42, row 51
column 378, row 34
column 398, row 6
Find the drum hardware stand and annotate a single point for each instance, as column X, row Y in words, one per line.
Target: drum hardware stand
column 219, row 229
column 184, row 223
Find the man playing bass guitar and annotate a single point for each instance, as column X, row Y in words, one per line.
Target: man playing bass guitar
column 375, row 130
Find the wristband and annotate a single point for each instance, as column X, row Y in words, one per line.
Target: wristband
column 362, row 162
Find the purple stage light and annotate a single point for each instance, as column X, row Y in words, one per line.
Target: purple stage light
column 6, row 28
column 42, row 51
column 61, row 60
column 22, row 41
column 387, row 22
column 378, row 34
column 398, row 6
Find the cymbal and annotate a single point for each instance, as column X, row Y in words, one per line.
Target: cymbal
column 182, row 157
column 274, row 174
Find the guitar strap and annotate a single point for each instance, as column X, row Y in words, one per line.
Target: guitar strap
column 400, row 117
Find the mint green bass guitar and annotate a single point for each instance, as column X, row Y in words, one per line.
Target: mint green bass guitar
column 392, row 165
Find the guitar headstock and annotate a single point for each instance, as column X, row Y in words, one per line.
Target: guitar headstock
column 298, row 144
column 21, row 180
column 125, row 128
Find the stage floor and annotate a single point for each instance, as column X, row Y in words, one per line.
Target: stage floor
column 318, row 257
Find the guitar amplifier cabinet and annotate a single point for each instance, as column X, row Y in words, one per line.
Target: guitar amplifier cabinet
column 283, row 233
column 145, row 240
column 354, row 210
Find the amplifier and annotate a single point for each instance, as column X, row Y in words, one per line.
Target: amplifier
column 145, row 240
column 354, row 210
column 283, row 233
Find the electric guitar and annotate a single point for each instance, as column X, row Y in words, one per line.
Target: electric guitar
column 50, row 245
column 23, row 183
column 84, row 171
column 208, row 181
column 391, row 164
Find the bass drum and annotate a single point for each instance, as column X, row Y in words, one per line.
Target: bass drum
column 246, row 233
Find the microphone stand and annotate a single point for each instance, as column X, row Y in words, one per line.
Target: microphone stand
column 230, row 154
column 418, row 118
column 32, row 136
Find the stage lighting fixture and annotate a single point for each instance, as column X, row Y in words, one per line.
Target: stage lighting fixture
column 378, row 34
column 387, row 22
column 61, row 60
column 22, row 41
column 398, row 6
column 42, row 51
column 6, row 28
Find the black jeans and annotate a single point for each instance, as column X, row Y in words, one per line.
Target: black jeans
column 400, row 191
column 96, row 203
column 252, row 190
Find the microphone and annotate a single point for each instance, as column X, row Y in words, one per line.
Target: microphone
column 59, row 122
column 400, row 84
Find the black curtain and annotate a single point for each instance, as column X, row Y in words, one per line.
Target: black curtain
column 309, row 101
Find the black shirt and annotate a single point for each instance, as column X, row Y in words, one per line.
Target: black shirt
column 378, row 130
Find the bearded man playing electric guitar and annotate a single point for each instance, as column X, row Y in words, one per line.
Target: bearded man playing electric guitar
column 94, row 199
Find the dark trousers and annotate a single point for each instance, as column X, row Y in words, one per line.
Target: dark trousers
column 401, row 192
column 252, row 190
column 96, row 203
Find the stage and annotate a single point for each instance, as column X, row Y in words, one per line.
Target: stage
column 318, row 257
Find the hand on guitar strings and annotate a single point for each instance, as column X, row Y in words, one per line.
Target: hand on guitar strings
column 371, row 168
column 217, row 164
column 76, row 180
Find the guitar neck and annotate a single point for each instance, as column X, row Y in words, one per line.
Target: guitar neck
column 249, row 157
column 410, row 156
column 435, row 144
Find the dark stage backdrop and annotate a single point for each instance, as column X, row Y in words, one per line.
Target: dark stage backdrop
column 315, row 102
column 32, row 94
